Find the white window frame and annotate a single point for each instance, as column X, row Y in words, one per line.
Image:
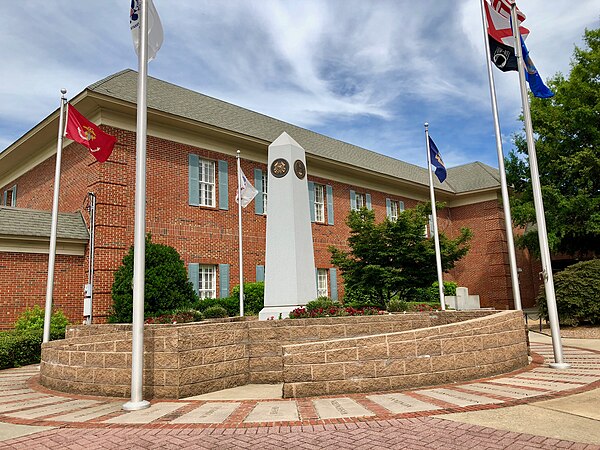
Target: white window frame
column 319, row 203
column 265, row 187
column 206, row 182
column 322, row 283
column 207, row 281
column 13, row 198
column 394, row 210
column 361, row 200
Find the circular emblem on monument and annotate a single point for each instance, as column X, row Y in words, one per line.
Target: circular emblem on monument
column 299, row 169
column 280, row 168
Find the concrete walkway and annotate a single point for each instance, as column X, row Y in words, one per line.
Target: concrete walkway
column 534, row 408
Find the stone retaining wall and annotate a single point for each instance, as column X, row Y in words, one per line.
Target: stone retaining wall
column 183, row 360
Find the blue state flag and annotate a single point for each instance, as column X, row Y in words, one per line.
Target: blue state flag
column 537, row 86
column 436, row 161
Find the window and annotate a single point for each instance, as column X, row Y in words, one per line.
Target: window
column 207, row 282
column 394, row 210
column 263, row 194
column 429, row 227
column 207, row 182
column 360, row 201
column 322, row 290
column 319, row 203
column 10, row 197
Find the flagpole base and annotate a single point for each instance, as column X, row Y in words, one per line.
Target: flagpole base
column 560, row 366
column 136, row 406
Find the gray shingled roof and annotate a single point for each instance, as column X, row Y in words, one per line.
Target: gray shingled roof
column 29, row 222
column 169, row 98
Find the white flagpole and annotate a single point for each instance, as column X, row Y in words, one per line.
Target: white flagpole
column 512, row 258
column 538, row 204
column 139, row 240
column 436, row 237
column 239, row 196
column 54, row 226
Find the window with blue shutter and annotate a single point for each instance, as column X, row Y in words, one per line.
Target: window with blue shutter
column 260, row 273
column 352, row 200
column 193, row 180
column 333, row 283
column 223, row 280
column 223, row 185
column 259, row 201
column 194, row 275
column 311, row 200
column 329, row 205
column 368, row 199
column 388, row 208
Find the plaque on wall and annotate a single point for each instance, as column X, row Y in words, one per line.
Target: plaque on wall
column 280, row 168
column 299, row 169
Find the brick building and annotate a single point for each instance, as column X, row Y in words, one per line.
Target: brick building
column 191, row 173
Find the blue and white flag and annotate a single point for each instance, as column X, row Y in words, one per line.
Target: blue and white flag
column 537, row 86
column 436, row 161
column 155, row 30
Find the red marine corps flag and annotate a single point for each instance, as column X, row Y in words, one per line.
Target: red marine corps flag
column 89, row 135
column 500, row 33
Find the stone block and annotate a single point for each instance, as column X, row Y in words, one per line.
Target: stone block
column 359, row 369
column 341, row 355
column 116, row 360
column 294, row 374
column 399, row 350
column 84, row 374
column 299, row 390
column 266, row 377
column 266, row 363
column 417, row 365
column 389, row 368
column 322, row 372
column 442, row 363
column 343, row 387
column 236, row 351
column 403, row 381
column 306, row 358
column 104, row 346
column 225, row 369
column 214, row 354
column 377, row 351
column 191, row 358
column 268, row 350
column 453, row 345
column 432, row 347
column 374, row 384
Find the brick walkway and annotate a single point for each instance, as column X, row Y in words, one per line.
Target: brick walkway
column 367, row 421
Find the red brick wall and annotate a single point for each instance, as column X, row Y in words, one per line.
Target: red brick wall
column 23, row 279
column 209, row 235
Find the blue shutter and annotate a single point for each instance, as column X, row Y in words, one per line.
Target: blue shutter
column 223, row 185
column 352, row 200
column 311, row 200
column 329, row 205
column 193, row 180
column 223, row 280
column 368, row 200
column 14, row 196
column 333, row 291
column 5, row 199
column 194, row 275
column 401, row 206
column 317, row 279
column 258, row 184
column 260, row 273
column 388, row 208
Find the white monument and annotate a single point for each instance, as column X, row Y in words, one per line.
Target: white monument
column 290, row 280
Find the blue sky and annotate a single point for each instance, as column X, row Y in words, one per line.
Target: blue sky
column 365, row 72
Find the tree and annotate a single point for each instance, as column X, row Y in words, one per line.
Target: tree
column 394, row 258
column 568, row 155
column 167, row 287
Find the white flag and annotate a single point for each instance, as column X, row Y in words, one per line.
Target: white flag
column 155, row 30
column 247, row 190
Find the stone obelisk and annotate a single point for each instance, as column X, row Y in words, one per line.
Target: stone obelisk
column 290, row 280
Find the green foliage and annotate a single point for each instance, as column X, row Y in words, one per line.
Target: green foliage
column 321, row 303
column 393, row 258
column 20, row 348
column 32, row 319
column 397, row 305
column 568, row 156
column 178, row 316
column 254, row 297
column 215, row 312
column 577, row 294
column 333, row 311
column 231, row 305
column 167, row 287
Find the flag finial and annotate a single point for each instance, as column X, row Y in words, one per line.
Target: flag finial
column 426, row 124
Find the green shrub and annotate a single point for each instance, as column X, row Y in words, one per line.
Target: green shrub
column 321, row 303
column 179, row 316
column 254, row 297
column 397, row 305
column 215, row 312
column 333, row 311
column 167, row 287
column 359, row 298
column 20, row 348
column 577, row 294
column 32, row 319
column 231, row 305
